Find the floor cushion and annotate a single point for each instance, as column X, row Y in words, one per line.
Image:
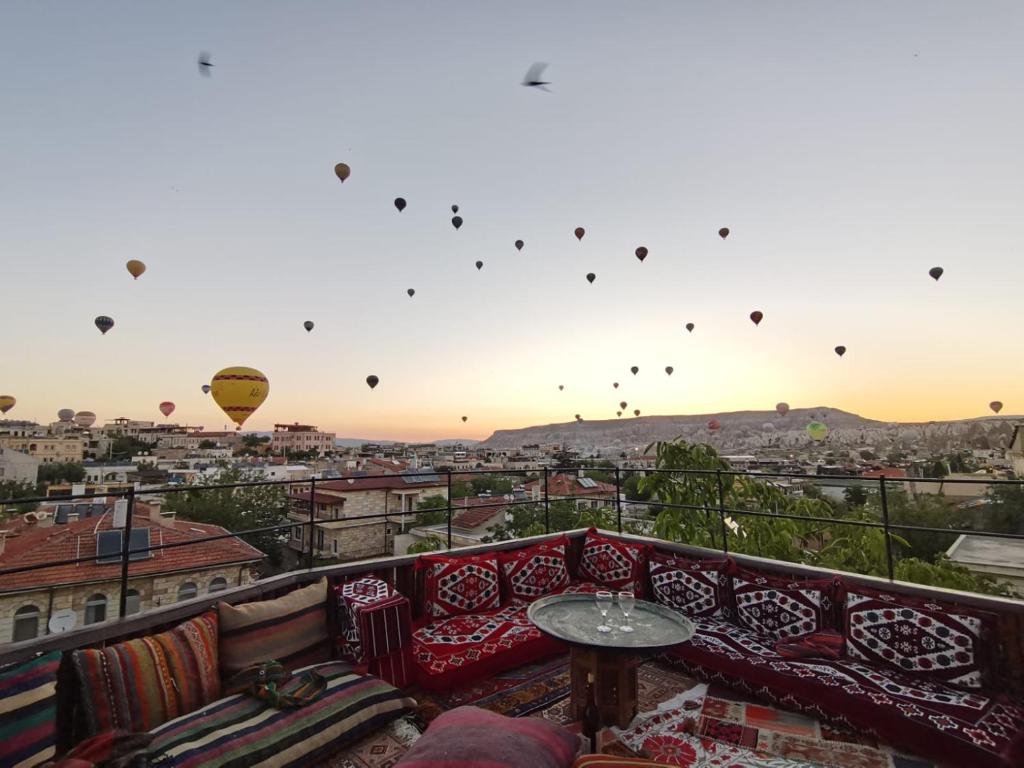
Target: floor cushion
column 241, row 730
column 924, row 637
column 459, row 585
column 697, row 588
column 617, row 564
column 533, row 572
column 141, row 683
column 468, row 736
column 291, row 629
column 28, row 711
column 781, row 608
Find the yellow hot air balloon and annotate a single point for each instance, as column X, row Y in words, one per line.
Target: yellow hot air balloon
column 817, row 431
column 135, row 268
column 239, row 391
column 6, row 403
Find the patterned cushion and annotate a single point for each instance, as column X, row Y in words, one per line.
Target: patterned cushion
column 536, row 571
column 139, row 684
column 916, row 636
column 779, row 608
column 457, row 585
column 28, row 711
column 469, row 736
column 242, row 730
column 291, row 629
column 613, row 563
column 697, row 588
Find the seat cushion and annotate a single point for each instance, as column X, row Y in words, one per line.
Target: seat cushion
column 28, row 711
column 241, row 730
column 534, row 572
column 614, row 563
column 291, row 629
column 454, row 586
column 697, row 588
column 139, row 684
column 781, row 608
column 923, row 716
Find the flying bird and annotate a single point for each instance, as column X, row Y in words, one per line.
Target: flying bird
column 534, row 75
column 204, row 64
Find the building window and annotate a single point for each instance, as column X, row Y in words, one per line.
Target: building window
column 132, row 602
column 334, row 544
column 297, row 532
column 96, row 609
column 319, row 538
column 219, row 584
column 26, row 623
column 187, row 591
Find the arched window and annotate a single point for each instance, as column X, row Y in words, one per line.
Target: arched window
column 96, row 609
column 219, row 584
column 26, row 623
column 132, row 602
column 187, row 591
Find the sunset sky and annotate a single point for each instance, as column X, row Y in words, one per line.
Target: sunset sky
column 849, row 148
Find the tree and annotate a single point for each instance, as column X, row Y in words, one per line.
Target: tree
column 462, row 489
column 855, row 495
column 429, row 544
column 60, row 472
column 1005, row 511
column 431, row 503
column 563, row 515
column 207, row 444
column 11, row 489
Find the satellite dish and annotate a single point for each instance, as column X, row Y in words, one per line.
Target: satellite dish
column 62, row 621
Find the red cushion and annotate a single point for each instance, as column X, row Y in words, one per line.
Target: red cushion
column 781, row 608
column 694, row 587
column 944, row 642
column 614, row 563
column 457, row 585
column 533, row 572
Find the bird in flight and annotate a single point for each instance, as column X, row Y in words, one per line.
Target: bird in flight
column 204, row 64
column 534, row 75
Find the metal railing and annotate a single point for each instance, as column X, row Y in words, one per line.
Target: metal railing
column 612, row 497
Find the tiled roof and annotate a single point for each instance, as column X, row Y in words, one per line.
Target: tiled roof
column 319, row 498
column 34, row 545
column 478, row 510
column 569, row 485
column 381, row 482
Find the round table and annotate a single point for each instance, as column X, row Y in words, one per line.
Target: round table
column 611, row 657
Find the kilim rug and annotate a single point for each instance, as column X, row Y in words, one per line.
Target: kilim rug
column 378, row 750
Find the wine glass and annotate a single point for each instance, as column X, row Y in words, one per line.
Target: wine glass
column 604, row 603
column 626, row 603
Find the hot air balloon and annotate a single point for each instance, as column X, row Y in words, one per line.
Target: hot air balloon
column 714, row 425
column 456, row 221
column 756, row 317
column 85, row 419
column 591, row 277
column 239, row 391
column 166, row 408
column 342, row 171
column 465, row 419
column 634, row 370
column 519, row 245
column 455, row 209
column 641, row 253
column 723, row 232
column 669, row 369
column 615, row 384
column 636, row 412
column 995, row 405
column 623, row 404
column 619, row 414
column 579, row 232
column 308, row 325
column 817, row 431
column 6, row 403
column 578, row 417
column 104, row 323
column 372, row 381
column 135, row 268
column 65, row 415
column 768, row 427
column 206, row 389
column 782, row 408
column 689, row 327
column 561, row 387
column 400, row 204
column 479, row 265
column 936, row 272
column 840, row 350
column 411, row 292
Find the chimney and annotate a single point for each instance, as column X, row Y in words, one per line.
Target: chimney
column 158, row 516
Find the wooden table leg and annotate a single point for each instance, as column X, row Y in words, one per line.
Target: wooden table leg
column 615, row 683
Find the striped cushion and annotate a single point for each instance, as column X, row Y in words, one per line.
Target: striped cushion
column 28, row 711
column 139, row 684
column 242, row 731
column 291, row 630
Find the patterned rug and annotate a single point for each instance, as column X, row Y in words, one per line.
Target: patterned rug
column 378, row 750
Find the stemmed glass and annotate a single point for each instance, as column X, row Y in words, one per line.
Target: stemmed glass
column 626, row 603
column 604, row 603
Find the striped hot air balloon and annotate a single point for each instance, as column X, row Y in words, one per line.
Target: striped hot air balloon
column 239, row 391
column 6, row 403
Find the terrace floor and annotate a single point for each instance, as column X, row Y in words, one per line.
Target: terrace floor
column 696, row 726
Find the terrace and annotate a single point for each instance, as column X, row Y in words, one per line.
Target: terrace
column 539, row 685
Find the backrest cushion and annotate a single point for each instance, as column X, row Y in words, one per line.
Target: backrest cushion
column 698, row 588
column 139, row 684
column 780, row 608
column 457, row 585
column 613, row 563
column 942, row 641
column 533, row 572
column 28, row 711
column 291, row 629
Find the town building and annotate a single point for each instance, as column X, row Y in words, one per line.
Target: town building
column 585, row 491
column 49, row 450
column 18, row 467
column 1001, row 558
column 1016, row 451
column 301, row 438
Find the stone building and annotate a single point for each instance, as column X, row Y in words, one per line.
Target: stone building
column 18, row 467
column 49, row 450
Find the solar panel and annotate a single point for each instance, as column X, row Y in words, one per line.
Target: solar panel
column 63, row 510
column 588, row 482
column 95, row 510
column 419, row 478
column 139, row 539
column 108, row 547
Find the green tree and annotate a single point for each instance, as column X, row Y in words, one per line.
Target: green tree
column 207, row 444
column 10, row 489
column 436, row 510
column 461, row 489
column 1005, row 510
column 429, row 544
column 945, row 573
column 855, row 495
column 563, row 515
column 60, row 472
column 925, row 510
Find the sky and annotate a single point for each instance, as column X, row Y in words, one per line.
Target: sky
column 848, row 147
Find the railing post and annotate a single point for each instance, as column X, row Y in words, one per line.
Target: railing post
column 885, row 526
column 547, row 504
column 312, row 521
column 618, row 498
column 721, row 512
column 449, row 509
column 122, row 603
